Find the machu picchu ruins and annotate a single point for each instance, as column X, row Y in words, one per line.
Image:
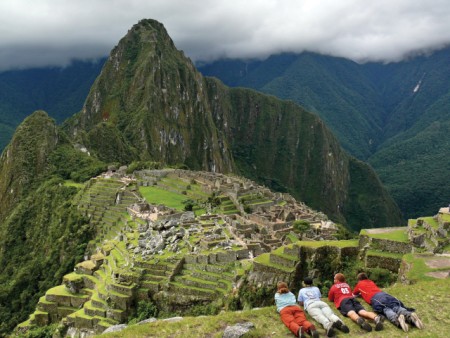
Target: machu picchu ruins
column 231, row 231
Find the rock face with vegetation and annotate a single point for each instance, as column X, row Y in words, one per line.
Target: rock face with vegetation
column 394, row 116
column 151, row 103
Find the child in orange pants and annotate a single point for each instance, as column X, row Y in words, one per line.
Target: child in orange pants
column 291, row 314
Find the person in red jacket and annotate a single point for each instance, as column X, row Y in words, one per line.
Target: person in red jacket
column 341, row 294
column 384, row 303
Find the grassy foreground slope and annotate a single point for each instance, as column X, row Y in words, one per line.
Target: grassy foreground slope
column 431, row 300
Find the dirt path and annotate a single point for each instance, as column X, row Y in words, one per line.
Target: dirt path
column 384, row 230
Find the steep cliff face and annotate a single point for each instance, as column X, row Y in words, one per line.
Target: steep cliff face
column 151, row 103
column 155, row 98
column 25, row 158
column 287, row 148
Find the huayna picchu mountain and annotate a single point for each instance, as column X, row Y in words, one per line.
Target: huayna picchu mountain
column 151, row 105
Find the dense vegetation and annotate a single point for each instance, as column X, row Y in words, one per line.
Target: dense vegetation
column 42, row 234
column 385, row 114
column 41, row 241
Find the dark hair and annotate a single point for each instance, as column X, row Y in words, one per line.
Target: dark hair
column 282, row 287
column 340, row 277
column 362, row 276
column 308, row 281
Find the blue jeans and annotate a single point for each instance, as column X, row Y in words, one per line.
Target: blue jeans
column 390, row 306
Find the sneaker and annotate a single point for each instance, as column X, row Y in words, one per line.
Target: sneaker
column 402, row 323
column 414, row 318
column 314, row 333
column 330, row 331
column 363, row 324
column 341, row 326
column 379, row 323
column 301, row 332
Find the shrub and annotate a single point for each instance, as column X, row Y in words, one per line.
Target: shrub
column 145, row 309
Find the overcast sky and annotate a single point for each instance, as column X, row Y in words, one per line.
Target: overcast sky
column 52, row 32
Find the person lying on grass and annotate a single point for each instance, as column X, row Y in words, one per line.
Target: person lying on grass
column 383, row 303
column 341, row 294
column 291, row 314
column 309, row 297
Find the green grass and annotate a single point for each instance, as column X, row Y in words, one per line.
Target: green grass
column 339, row 244
column 70, row 183
column 61, row 290
column 431, row 221
column 419, row 269
column 445, row 217
column 384, row 254
column 265, row 260
column 155, row 195
column 399, row 235
column 432, row 307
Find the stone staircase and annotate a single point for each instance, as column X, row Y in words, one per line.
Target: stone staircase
column 202, row 280
column 91, row 298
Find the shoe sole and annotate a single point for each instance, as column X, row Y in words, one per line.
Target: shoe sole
column 416, row 320
column 366, row 327
column 403, row 325
column 345, row 329
column 379, row 323
column 330, row 332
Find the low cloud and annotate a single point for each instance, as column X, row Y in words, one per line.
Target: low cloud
column 44, row 32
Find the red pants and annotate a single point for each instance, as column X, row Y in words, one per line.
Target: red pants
column 294, row 317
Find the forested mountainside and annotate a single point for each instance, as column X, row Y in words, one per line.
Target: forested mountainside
column 151, row 104
column 395, row 116
column 60, row 91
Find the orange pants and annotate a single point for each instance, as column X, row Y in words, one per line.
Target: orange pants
column 294, row 317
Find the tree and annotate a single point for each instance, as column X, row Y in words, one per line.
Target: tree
column 301, row 226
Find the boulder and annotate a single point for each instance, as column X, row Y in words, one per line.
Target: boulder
column 115, row 328
column 238, row 330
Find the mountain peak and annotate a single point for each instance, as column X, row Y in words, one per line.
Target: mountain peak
column 25, row 158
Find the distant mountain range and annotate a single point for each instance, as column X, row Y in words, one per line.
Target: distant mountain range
column 395, row 116
column 59, row 91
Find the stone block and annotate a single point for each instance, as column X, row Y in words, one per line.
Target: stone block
column 388, row 263
column 202, row 259
column 41, row 318
column 77, row 302
column 117, row 315
column 226, row 257
column 190, row 259
column 283, row 261
column 83, row 322
column 61, row 300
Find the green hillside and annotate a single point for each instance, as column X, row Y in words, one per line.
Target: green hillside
column 381, row 113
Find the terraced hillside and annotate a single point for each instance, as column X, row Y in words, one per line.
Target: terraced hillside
column 202, row 240
column 161, row 252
